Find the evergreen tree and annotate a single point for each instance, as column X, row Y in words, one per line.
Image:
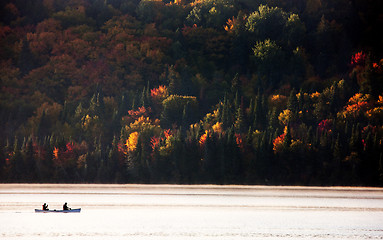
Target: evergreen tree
column 287, row 139
column 334, row 98
column 292, row 102
column 29, row 160
column 17, row 168
column 3, row 160
column 239, row 122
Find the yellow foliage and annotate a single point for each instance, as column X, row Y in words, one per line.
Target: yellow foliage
column 141, row 123
column 305, row 95
column 81, row 162
column 278, row 98
column 375, row 112
column 131, row 142
column 217, row 128
column 296, row 144
column 168, row 147
column 88, row 121
column 285, row 116
column 278, row 101
column 196, row 2
column 216, row 113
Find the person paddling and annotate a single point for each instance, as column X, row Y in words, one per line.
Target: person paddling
column 45, row 207
column 65, row 207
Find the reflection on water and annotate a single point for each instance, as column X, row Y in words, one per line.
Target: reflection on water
column 191, row 212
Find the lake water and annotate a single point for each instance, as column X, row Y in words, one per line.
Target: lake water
column 190, row 212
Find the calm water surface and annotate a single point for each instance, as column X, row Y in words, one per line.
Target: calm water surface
column 190, row 212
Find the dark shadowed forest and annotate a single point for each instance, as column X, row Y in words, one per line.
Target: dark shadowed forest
column 207, row 91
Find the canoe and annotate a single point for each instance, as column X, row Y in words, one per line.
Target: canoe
column 75, row 210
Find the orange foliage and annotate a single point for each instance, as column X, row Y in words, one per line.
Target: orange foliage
column 230, row 24
column 159, row 94
column 315, row 95
column 278, row 142
column 55, row 153
column 354, row 110
column 203, row 138
column 359, row 97
column 357, row 106
column 380, row 100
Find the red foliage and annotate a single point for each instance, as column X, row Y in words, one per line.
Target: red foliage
column 358, row 59
column 97, row 71
column 11, row 8
column 367, row 129
column 121, row 148
column 4, row 30
column 167, row 133
column 154, row 142
column 378, row 67
column 239, row 141
column 186, row 30
column 141, row 112
column 325, row 125
column 68, row 155
column 278, row 142
column 39, row 151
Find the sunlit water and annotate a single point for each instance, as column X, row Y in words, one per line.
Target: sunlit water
column 190, row 212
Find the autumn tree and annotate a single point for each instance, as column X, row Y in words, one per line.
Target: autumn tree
column 211, row 13
column 173, row 110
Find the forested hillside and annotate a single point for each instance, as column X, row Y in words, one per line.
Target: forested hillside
column 204, row 91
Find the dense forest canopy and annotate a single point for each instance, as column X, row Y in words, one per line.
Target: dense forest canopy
column 204, row 91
